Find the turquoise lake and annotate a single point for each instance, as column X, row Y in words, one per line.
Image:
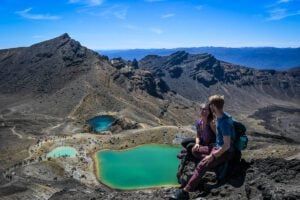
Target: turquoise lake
column 63, row 151
column 144, row 166
column 101, row 123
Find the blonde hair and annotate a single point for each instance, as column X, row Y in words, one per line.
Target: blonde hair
column 217, row 100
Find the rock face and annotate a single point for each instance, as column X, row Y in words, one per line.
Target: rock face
column 123, row 124
column 259, row 179
column 136, row 79
column 120, row 63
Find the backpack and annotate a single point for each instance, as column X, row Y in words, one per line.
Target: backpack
column 241, row 139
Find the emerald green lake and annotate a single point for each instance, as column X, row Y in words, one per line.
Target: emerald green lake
column 144, row 166
column 101, row 123
column 63, row 152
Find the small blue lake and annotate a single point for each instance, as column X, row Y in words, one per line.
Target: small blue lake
column 64, row 151
column 101, row 123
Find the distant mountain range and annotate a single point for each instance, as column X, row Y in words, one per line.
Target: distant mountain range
column 256, row 57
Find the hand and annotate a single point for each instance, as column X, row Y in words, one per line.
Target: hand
column 195, row 147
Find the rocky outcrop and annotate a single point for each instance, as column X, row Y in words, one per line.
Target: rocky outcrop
column 120, row 63
column 169, row 64
column 270, row 178
column 137, row 79
column 122, row 124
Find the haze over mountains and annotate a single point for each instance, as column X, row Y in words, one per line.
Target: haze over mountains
column 256, row 57
column 52, row 88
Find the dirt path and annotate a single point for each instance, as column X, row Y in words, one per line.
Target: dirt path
column 15, row 133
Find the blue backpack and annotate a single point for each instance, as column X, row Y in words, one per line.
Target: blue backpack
column 241, row 139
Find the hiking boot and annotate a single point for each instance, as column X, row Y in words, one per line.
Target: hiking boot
column 180, row 195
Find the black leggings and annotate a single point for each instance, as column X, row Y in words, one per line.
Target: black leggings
column 188, row 143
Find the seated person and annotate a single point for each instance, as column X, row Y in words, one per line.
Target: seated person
column 222, row 152
column 206, row 129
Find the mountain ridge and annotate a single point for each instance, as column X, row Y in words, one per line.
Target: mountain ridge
column 209, row 72
column 255, row 57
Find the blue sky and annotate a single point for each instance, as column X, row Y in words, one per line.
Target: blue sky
column 124, row 24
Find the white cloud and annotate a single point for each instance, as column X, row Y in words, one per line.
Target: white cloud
column 157, row 31
column 117, row 11
column 26, row 14
column 280, row 13
column 87, row 2
column 167, row 15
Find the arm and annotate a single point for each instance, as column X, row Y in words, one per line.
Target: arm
column 197, row 140
column 227, row 129
column 224, row 148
